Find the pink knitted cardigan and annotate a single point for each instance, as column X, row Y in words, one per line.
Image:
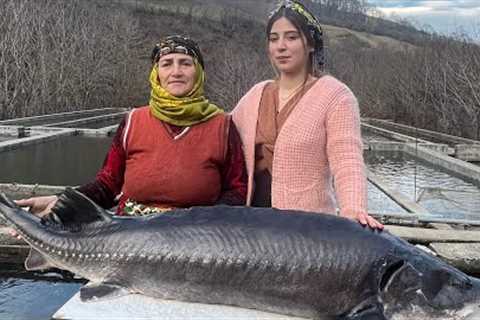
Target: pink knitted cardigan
column 318, row 161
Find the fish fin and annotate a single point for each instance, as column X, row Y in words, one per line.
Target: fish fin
column 100, row 291
column 73, row 208
column 369, row 309
column 37, row 261
column 439, row 287
column 400, row 278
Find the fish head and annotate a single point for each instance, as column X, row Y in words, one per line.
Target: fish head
column 470, row 312
column 432, row 289
column 50, row 236
column 444, row 293
column 450, row 289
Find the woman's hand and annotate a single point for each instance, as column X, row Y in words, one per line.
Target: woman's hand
column 39, row 206
column 365, row 219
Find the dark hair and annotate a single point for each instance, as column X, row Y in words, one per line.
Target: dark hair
column 314, row 39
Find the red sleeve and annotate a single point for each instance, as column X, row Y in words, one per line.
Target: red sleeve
column 109, row 180
column 234, row 173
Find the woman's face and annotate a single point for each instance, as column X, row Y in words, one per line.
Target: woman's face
column 176, row 72
column 287, row 47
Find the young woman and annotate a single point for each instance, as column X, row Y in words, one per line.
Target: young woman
column 301, row 131
column 179, row 151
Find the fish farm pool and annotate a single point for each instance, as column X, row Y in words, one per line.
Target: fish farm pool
column 97, row 125
column 26, row 295
column 379, row 202
column 374, row 137
column 441, row 192
column 7, row 138
column 42, row 121
column 74, row 160
column 65, row 161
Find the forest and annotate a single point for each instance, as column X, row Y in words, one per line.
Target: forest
column 58, row 56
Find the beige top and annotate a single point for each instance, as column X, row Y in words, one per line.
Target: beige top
column 270, row 121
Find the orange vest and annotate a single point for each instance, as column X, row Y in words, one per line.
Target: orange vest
column 166, row 172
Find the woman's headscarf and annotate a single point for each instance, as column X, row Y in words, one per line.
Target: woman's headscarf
column 187, row 110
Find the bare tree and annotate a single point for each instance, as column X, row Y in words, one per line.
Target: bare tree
column 236, row 70
column 66, row 56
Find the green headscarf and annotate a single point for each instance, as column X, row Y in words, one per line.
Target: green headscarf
column 183, row 111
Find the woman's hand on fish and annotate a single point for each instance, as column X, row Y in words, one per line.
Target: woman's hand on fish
column 39, row 206
column 364, row 219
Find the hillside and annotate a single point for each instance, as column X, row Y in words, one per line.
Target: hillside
column 246, row 11
column 258, row 11
column 429, row 86
column 94, row 53
column 231, row 34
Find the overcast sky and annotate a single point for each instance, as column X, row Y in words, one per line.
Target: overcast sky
column 445, row 16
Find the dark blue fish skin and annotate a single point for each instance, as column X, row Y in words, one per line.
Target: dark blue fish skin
column 290, row 262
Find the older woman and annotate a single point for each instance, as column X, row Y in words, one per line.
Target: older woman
column 179, row 151
column 301, row 131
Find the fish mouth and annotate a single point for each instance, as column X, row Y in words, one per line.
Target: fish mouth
column 470, row 312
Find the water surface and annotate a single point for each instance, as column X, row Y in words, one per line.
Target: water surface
column 6, row 138
column 69, row 161
column 439, row 191
column 379, row 202
column 25, row 295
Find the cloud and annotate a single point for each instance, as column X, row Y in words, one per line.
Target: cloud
column 434, row 4
column 461, row 7
column 445, row 16
column 404, row 10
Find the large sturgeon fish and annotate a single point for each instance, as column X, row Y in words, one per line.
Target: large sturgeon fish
column 288, row 262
